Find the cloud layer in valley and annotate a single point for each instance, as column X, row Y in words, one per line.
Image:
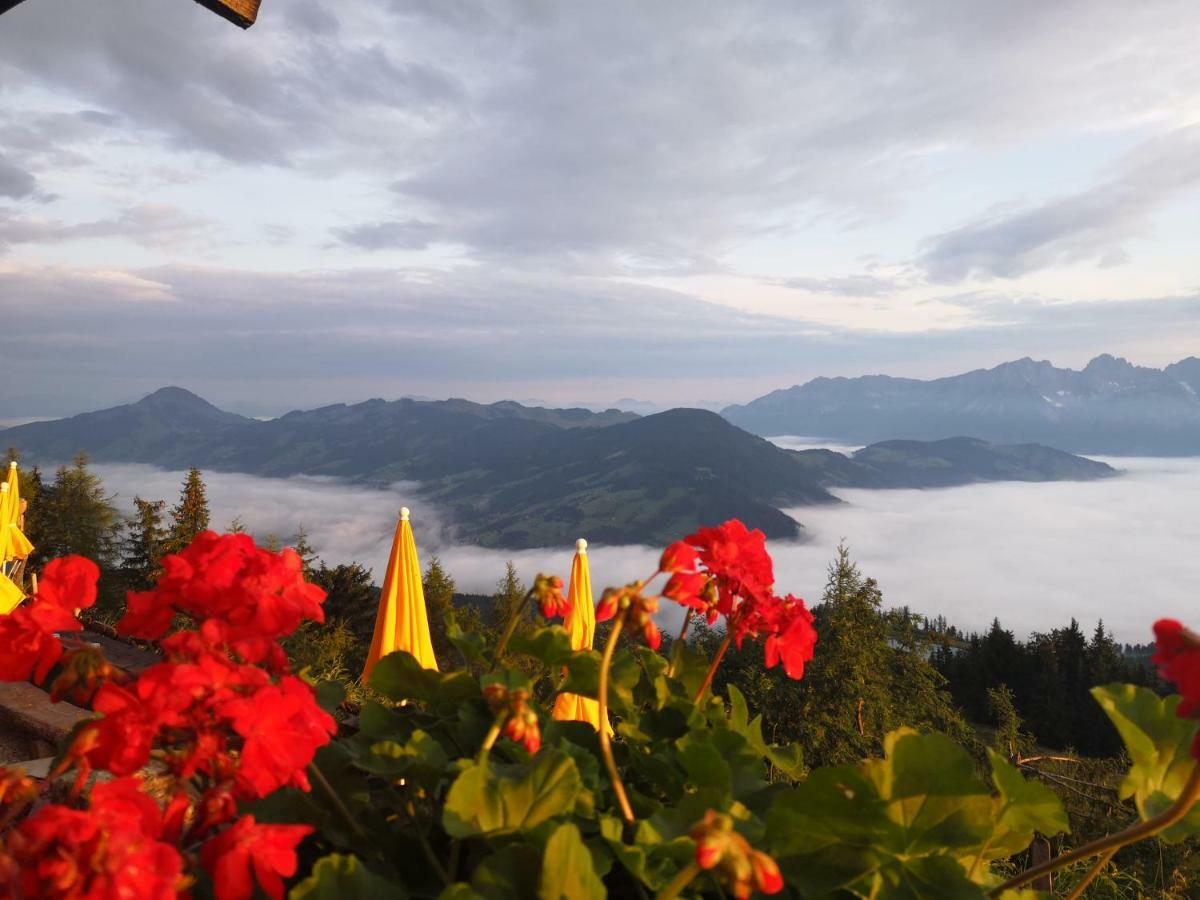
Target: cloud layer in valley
column 1034, row 555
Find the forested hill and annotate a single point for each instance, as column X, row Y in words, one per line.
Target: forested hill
column 514, row 476
column 1110, row 406
column 946, row 463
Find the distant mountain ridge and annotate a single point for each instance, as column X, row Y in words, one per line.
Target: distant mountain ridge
column 512, row 476
column 1110, row 406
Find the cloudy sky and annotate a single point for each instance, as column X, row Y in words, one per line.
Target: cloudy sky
column 676, row 201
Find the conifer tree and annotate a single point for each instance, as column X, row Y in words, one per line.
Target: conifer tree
column 145, row 545
column 77, row 516
column 510, row 594
column 308, row 556
column 350, row 597
column 439, row 602
column 190, row 516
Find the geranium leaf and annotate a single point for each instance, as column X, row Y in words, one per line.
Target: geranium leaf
column 583, row 673
column 342, row 877
column 1022, row 808
column 470, row 646
column 892, row 827
column 1160, row 744
column 399, row 676
column 550, row 645
column 567, row 868
column 486, row 799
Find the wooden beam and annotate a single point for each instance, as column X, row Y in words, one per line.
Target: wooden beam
column 239, row 12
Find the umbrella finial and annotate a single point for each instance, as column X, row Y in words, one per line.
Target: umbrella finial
column 581, row 545
column 404, row 514
column 12, row 463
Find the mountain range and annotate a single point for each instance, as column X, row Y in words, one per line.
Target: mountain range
column 512, row 476
column 1110, row 406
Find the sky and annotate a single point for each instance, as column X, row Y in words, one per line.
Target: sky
column 1025, row 553
column 679, row 202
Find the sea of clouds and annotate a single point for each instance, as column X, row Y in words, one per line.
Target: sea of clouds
column 1125, row 549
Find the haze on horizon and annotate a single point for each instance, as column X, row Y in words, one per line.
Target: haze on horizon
column 579, row 203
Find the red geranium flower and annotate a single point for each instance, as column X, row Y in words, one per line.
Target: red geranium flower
column 635, row 609
column 1177, row 655
column 248, row 852
column 28, row 634
column 548, row 591
column 112, row 850
column 258, row 595
column 678, row 557
column 794, row 640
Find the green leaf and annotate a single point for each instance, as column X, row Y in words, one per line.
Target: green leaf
column 706, row 769
column 460, row 890
column 787, row 758
column 654, row 864
column 330, row 695
column 399, row 676
column 507, row 873
column 342, row 877
column 550, row 645
column 491, row 799
column 583, row 674
column 1023, row 807
column 1159, row 743
column 567, row 869
column 509, row 679
column 379, row 721
column 420, row 758
column 470, row 646
column 900, row 826
column 624, row 675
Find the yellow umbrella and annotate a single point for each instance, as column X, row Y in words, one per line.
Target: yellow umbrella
column 10, row 595
column 581, row 626
column 13, row 543
column 402, row 622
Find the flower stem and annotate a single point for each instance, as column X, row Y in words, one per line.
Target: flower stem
column 1168, row 817
column 489, row 739
column 712, row 670
column 341, row 807
column 677, row 648
column 425, row 848
column 681, row 880
column 1104, row 860
column 605, row 740
column 509, row 629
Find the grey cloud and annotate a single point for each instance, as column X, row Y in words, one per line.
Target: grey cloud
column 409, row 234
column 326, row 336
column 845, row 286
column 1091, row 225
column 148, row 224
column 15, row 182
column 265, row 96
column 609, row 137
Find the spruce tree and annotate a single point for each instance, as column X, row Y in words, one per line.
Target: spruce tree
column 76, row 516
column 510, row 594
column 308, row 556
column 190, row 516
column 145, row 545
column 439, row 602
column 350, row 597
